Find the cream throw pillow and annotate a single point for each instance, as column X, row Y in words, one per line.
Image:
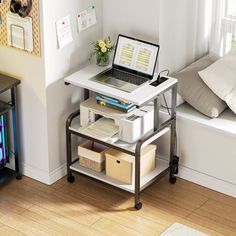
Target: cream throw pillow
column 195, row 92
column 220, row 77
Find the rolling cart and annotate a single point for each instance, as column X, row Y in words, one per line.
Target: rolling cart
column 144, row 95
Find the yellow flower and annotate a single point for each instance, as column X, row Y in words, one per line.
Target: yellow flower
column 109, row 45
column 103, row 49
column 101, row 44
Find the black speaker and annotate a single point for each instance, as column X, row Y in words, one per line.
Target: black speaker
column 22, row 10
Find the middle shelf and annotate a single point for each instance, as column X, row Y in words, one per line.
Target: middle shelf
column 114, row 141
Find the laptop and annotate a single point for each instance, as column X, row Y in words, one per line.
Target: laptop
column 133, row 64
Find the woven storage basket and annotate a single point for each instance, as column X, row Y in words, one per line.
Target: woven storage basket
column 93, row 165
column 92, row 156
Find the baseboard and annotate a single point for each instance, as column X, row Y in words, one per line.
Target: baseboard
column 207, row 181
column 44, row 176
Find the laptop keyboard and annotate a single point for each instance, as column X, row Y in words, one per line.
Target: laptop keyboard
column 133, row 79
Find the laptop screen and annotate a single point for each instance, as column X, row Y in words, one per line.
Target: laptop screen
column 136, row 56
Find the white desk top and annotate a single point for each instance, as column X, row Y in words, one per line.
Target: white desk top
column 140, row 96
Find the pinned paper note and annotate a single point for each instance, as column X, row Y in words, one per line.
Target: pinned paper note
column 86, row 18
column 64, row 34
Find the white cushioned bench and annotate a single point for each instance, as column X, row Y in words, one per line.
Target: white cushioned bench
column 207, row 148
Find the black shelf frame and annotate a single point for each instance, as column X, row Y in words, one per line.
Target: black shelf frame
column 4, row 107
column 6, row 175
column 8, row 83
column 172, row 170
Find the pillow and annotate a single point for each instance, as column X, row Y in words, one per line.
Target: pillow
column 168, row 99
column 220, row 77
column 195, row 91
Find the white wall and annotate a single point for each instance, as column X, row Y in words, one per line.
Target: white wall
column 179, row 27
column 32, row 101
column 62, row 100
column 45, row 101
column 184, row 32
column 134, row 18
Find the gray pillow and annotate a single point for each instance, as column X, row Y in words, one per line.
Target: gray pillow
column 195, row 92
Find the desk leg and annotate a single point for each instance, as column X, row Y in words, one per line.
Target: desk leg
column 173, row 158
column 16, row 136
column 156, row 113
column 172, row 177
column 70, row 177
column 86, row 94
column 138, row 204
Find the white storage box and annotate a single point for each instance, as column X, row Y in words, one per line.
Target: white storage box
column 136, row 125
column 120, row 165
column 92, row 156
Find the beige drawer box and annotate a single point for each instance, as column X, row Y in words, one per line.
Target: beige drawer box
column 92, row 156
column 120, row 165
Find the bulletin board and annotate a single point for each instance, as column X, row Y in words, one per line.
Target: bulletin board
column 34, row 14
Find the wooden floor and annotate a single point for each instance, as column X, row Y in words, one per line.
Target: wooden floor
column 88, row 207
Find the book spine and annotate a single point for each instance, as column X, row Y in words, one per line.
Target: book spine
column 107, row 98
column 114, row 103
column 111, row 106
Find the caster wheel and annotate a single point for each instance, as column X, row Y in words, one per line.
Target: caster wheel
column 175, row 165
column 172, row 180
column 71, row 179
column 138, row 206
column 176, row 159
column 19, row 177
column 175, row 170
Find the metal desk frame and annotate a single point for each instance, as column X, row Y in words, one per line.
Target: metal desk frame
column 173, row 163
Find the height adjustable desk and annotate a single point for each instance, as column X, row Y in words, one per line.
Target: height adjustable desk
column 143, row 95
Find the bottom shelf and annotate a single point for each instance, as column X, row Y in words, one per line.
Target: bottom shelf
column 146, row 180
column 6, row 174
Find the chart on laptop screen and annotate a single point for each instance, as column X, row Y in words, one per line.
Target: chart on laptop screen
column 136, row 55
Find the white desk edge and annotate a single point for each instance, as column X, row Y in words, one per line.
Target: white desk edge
column 140, row 96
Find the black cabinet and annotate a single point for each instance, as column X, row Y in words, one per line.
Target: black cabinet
column 9, row 108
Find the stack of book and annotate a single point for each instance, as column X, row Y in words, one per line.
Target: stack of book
column 114, row 103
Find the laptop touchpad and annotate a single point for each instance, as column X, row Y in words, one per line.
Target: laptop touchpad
column 129, row 87
column 115, row 82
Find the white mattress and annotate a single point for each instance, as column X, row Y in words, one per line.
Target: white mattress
column 226, row 122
